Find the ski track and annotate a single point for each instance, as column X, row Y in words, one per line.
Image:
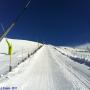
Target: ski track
column 46, row 70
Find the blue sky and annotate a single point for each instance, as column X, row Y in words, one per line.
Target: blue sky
column 57, row 22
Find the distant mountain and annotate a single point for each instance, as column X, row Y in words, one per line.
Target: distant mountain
column 84, row 46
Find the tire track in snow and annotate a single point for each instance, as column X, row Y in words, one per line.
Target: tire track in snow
column 75, row 73
column 40, row 74
column 85, row 74
column 60, row 82
column 77, row 82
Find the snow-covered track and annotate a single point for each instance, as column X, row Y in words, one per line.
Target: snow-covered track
column 69, row 67
column 48, row 69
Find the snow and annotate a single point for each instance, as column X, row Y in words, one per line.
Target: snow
column 84, row 46
column 21, row 48
column 80, row 55
column 50, row 68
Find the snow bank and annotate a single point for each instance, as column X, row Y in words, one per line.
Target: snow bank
column 79, row 55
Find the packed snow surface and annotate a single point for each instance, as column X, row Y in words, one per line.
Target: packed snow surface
column 48, row 69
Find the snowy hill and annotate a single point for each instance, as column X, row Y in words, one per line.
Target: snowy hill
column 21, row 48
column 49, row 68
column 84, row 46
column 17, row 45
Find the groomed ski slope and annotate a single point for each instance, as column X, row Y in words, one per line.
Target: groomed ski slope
column 48, row 69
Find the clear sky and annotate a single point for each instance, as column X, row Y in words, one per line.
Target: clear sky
column 58, row 22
